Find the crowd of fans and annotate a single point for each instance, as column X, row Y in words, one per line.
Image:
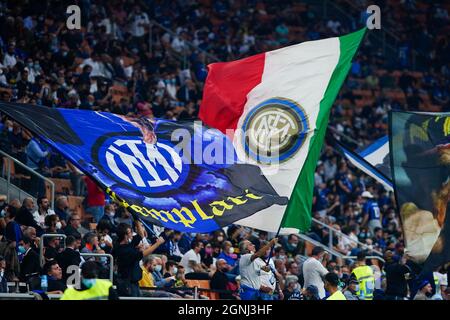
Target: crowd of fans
column 122, row 61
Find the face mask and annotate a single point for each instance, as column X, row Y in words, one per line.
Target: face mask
column 282, row 257
column 158, row 268
column 357, row 288
column 220, row 239
column 10, row 129
column 58, row 225
column 175, row 270
column 22, row 250
column 129, row 240
column 88, row 283
column 231, row 250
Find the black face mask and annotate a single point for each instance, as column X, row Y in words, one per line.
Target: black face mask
column 224, row 270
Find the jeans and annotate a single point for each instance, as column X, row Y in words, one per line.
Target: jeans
column 247, row 293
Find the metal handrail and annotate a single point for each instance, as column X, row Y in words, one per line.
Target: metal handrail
column 331, row 229
column 318, row 244
column 41, row 244
column 367, row 257
column 111, row 261
column 34, row 172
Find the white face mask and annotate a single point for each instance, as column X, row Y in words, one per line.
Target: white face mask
column 58, row 225
column 231, row 250
column 158, row 268
column 175, row 270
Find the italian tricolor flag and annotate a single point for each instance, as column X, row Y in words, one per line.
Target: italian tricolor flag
column 287, row 94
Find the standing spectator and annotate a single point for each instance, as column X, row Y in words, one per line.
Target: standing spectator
column 332, row 286
column 371, row 213
column 250, row 270
column 36, row 160
column 42, row 211
column 219, row 280
column 95, row 199
column 314, row 270
column 70, row 256
column 30, row 265
column 396, row 273
column 128, row 253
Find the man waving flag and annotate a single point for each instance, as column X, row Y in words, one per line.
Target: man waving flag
column 275, row 106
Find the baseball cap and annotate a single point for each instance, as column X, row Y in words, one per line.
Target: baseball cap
column 367, row 194
column 423, row 284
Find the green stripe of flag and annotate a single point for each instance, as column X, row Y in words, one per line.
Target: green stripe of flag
column 298, row 212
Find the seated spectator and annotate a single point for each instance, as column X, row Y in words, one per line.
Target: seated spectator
column 311, row 293
column 74, row 227
column 52, row 224
column 103, row 231
column 159, row 280
column 91, row 244
column 54, row 278
column 192, row 256
column 42, row 211
column 70, row 256
column 52, row 248
column 13, row 232
column 3, row 280
column 25, row 215
column 110, row 217
column 228, row 254
column 292, row 245
column 62, row 209
column 292, row 290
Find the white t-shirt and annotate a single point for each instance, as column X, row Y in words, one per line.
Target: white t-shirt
column 40, row 220
column 190, row 256
column 267, row 278
column 313, row 272
column 250, row 271
column 441, row 281
column 136, row 29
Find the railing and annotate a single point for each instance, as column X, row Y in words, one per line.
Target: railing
column 105, row 255
column 41, row 244
column 8, row 173
column 333, row 231
column 367, row 257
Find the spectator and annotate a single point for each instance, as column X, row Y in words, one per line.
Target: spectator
column 219, row 280
column 396, row 277
column 74, row 227
column 425, row 291
column 54, row 277
column 62, row 209
column 311, row 293
column 30, row 266
column 292, row 290
column 52, row 248
column 43, row 211
column 128, row 253
column 250, row 269
column 52, row 224
column 95, row 200
column 351, row 292
column 192, row 256
column 25, row 215
column 228, row 254
column 371, row 212
column 331, row 285
column 69, row 257
column 314, row 270
column 3, row 280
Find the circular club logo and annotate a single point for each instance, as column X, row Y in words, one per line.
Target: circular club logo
column 145, row 167
column 274, row 130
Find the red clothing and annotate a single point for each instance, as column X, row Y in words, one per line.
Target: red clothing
column 95, row 195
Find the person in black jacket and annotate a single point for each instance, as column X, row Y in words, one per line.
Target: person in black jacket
column 127, row 254
column 396, row 277
column 54, row 277
column 69, row 257
column 219, row 280
column 30, row 265
column 25, row 215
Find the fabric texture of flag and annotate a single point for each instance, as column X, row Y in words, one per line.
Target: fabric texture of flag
column 138, row 163
column 372, row 160
column 420, row 161
column 287, row 94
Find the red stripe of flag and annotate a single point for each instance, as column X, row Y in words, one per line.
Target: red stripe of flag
column 226, row 88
